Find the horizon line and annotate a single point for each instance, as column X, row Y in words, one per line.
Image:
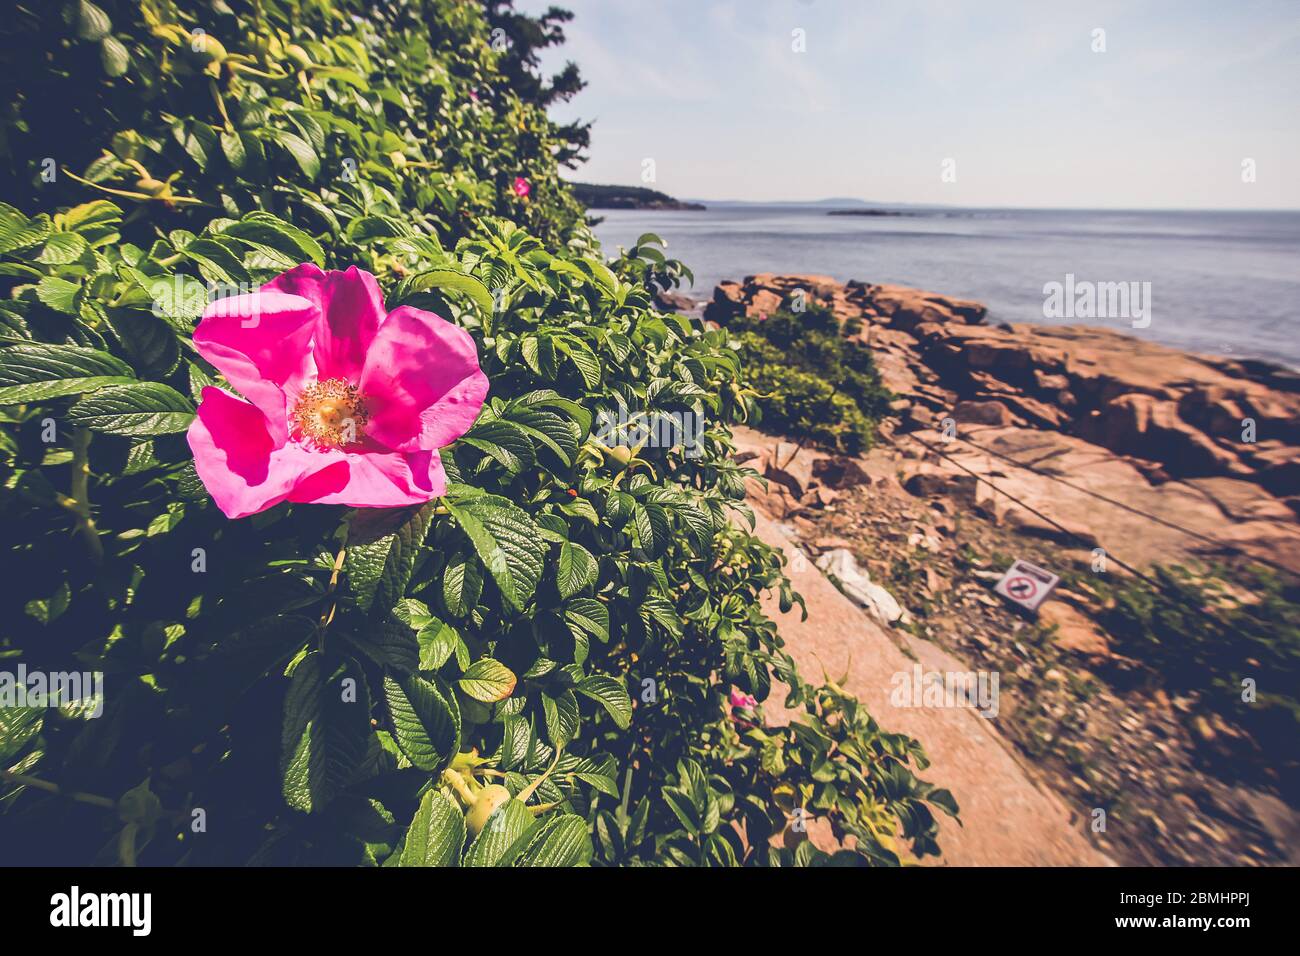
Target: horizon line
column 1046, row 208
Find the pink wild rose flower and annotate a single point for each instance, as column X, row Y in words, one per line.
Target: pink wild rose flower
column 742, row 700
column 344, row 404
column 522, row 187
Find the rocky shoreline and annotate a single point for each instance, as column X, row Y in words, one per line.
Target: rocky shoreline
column 1206, row 445
column 1122, row 445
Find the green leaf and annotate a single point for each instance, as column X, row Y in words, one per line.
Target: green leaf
column 382, row 548
column 143, row 408
column 426, row 722
column 37, row 372
column 583, row 359
column 114, row 57
column 267, row 233
column 462, row 584
column 561, row 713
column 507, row 541
column 59, row 294
column 179, row 299
column 683, row 809
column 97, row 217
column 216, row 261
column 455, row 282
column 436, row 833
column 149, row 342
column 556, row 434
column 504, row 441
column 62, row 248
column 19, row 232
column 503, row 837
column 92, row 22
column 561, row 841
column 589, row 617
column 233, row 146
column 17, row 726
column 650, row 530
column 610, row 694
column 437, row 641
column 577, row 569
column 300, row 150
column 390, row 643
column 488, row 680
column 326, row 730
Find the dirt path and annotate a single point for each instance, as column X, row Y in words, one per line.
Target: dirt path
column 1007, row 819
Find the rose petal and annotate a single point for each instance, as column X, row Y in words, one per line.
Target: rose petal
column 261, row 343
column 383, row 480
column 239, row 462
column 422, row 381
column 351, row 308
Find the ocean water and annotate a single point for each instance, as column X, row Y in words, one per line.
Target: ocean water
column 1224, row 283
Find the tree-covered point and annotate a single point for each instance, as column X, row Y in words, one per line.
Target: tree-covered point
column 596, row 196
column 318, row 684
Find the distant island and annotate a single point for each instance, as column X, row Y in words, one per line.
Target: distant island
column 867, row 212
column 595, row 196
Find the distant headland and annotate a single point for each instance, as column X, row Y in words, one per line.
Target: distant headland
column 868, row 212
column 595, row 196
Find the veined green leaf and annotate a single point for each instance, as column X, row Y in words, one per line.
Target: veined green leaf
column 610, row 694
column 503, row 837
column 507, row 541
column 142, row 408
column 387, row 542
column 488, row 680
column 436, row 833
column 562, row 840
column 37, row 372
column 561, row 713
column 326, row 730
column 426, row 721
column 455, row 282
column 577, row 569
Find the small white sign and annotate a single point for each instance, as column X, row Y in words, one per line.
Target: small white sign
column 1026, row 584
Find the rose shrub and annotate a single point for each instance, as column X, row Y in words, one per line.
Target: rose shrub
column 531, row 661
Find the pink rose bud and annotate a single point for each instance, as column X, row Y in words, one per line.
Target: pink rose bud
column 742, row 700
column 522, row 188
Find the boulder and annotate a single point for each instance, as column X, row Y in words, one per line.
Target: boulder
column 763, row 303
column 839, row 472
column 982, row 413
column 1148, row 427
column 673, row 302
column 1075, row 631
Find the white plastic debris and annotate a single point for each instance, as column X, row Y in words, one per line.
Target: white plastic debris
column 842, row 568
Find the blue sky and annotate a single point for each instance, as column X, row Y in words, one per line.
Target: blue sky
column 885, row 92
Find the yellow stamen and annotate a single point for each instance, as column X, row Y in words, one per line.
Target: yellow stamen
column 330, row 413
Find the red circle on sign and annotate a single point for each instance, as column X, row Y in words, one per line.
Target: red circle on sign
column 1015, row 587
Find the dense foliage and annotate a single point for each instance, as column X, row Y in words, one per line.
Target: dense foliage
column 814, row 379
column 319, row 685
